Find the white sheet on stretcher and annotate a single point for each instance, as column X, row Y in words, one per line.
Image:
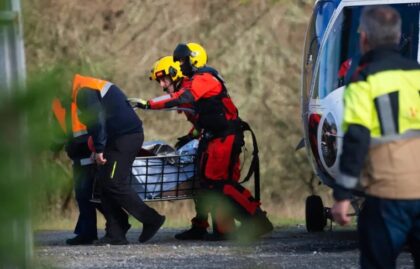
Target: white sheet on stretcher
column 155, row 183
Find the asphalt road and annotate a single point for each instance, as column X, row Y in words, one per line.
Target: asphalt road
column 284, row 248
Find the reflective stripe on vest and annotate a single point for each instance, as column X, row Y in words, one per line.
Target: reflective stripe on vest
column 105, row 89
column 60, row 114
column 387, row 106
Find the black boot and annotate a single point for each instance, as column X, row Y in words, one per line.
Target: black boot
column 149, row 230
column 107, row 240
column 263, row 224
column 255, row 227
column 80, row 240
column 126, row 228
column 195, row 233
column 215, row 236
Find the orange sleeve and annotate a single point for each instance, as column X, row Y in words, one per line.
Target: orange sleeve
column 204, row 86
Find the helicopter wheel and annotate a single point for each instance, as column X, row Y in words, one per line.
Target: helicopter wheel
column 316, row 218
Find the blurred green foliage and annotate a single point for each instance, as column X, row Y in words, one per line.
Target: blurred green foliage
column 28, row 177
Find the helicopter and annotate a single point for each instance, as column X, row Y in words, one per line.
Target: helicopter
column 331, row 56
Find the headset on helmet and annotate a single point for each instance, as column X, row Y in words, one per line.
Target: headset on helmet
column 166, row 66
column 196, row 54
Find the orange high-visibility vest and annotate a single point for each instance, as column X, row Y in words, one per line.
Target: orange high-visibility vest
column 59, row 111
column 60, row 114
column 80, row 82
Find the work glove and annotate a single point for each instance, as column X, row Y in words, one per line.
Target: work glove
column 183, row 140
column 138, row 103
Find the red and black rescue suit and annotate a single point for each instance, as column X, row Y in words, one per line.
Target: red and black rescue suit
column 220, row 144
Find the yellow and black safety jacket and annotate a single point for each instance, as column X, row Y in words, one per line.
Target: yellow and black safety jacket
column 381, row 123
column 73, row 134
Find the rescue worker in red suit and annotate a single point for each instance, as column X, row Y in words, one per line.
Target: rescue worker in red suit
column 220, row 143
column 169, row 76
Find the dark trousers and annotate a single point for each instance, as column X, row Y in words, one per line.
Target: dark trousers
column 83, row 184
column 384, row 227
column 117, row 196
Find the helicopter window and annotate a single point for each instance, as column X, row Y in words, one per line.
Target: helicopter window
column 319, row 22
column 311, row 52
column 324, row 12
column 340, row 54
column 409, row 43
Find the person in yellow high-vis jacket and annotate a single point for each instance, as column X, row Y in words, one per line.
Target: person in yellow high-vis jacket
column 381, row 144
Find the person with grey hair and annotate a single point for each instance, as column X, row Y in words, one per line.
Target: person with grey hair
column 381, row 144
column 381, row 27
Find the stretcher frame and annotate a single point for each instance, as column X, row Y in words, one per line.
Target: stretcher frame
column 155, row 190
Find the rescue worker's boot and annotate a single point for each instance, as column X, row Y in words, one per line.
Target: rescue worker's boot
column 215, row 236
column 197, row 231
column 253, row 228
column 223, row 226
column 263, row 224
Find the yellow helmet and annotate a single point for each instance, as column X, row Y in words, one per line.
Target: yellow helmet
column 152, row 71
column 166, row 66
column 198, row 56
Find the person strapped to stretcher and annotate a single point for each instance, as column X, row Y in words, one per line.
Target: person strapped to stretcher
column 221, row 141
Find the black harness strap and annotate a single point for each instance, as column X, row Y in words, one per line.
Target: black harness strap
column 254, row 168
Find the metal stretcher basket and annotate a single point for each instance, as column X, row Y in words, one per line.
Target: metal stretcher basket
column 164, row 177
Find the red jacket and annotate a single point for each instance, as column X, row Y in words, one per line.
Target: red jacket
column 209, row 98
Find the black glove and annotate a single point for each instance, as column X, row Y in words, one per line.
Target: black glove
column 183, row 140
